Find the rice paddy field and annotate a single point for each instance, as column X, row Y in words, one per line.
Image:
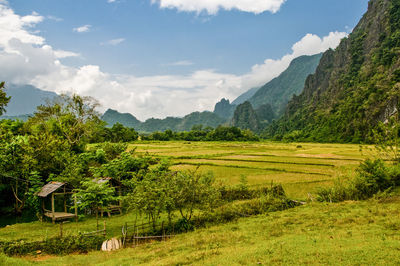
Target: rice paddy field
column 347, row 233
column 299, row 167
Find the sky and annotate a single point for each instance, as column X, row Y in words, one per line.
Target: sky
column 159, row 58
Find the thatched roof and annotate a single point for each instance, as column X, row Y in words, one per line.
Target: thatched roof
column 49, row 188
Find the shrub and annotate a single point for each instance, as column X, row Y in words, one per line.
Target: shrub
column 56, row 246
column 372, row 177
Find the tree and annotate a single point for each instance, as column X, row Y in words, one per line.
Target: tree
column 387, row 136
column 96, row 196
column 74, row 119
column 193, row 191
column 3, row 99
column 18, row 166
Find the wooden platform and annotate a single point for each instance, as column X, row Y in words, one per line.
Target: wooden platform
column 60, row 215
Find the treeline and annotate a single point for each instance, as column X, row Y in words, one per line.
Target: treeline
column 198, row 133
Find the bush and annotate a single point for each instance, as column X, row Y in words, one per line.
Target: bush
column 56, row 246
column 372, row 177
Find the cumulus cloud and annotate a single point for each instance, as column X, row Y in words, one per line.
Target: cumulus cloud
column 25, row 58
column 213, row 6
column 81, row 29
column 113, row 42
column 310, row 44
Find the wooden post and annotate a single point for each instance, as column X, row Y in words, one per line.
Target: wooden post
column 104, row 233
column 42, row 210
column 61, row 229
column 76, row 209
column 52, row 208
column 65, row 201
column 119, row 201
column 162, row 229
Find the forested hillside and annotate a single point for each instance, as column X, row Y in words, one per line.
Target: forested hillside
column 280, row 90
column 355, row 86
column 207, row 119
column 271, row 99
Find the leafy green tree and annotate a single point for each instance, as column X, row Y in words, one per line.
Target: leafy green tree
column 387, row 138
column 18, row 164
column 96, row 196
column 194, row 191
column 148, row 197
column 73, row 119
column 3, row 99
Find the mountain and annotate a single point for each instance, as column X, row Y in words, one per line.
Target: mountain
column 277, row 92
column 280, row 90
column 224, row 109
column 354, row 87
column 112, row 117
column 245, row 96
column 25, row 99
column 173, row 123
column 245, row 117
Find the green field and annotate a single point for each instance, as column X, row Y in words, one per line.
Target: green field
column 299, row 167
column 318, row 233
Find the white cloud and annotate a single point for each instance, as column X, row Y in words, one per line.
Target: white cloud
column 54, row 18
column 180, row 63
column 213, row 6
column 25, row 58
column 310, row 44
column 65, row 54
column 84, row 28
column 111, row 1
column 113, row 42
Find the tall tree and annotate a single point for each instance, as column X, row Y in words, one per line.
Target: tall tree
column 72, row 118
column 3, row 98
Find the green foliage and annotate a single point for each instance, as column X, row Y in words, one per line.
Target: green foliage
column 355, row 86
column 56, row 246
column 386, row 137
column 267, row 201
column 111, row 150
column 119, row 133
column 373, row 177
column 95, row 195
column 3, row 99
column 124, row 167
column 73, row 119
column 198, row 133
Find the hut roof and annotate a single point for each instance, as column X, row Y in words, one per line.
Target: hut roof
column 49, row 188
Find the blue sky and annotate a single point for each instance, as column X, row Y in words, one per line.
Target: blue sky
column 156, row 58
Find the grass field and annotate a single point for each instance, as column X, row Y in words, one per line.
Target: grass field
column 299, row 167
column 318, row 233
column 349, row 233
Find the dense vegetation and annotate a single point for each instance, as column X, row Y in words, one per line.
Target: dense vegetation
column 354, row 88
column 200, row 133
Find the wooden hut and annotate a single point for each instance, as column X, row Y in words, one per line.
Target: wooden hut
column 117, row 206
column 57, row 189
